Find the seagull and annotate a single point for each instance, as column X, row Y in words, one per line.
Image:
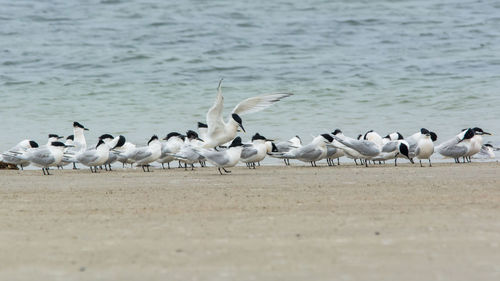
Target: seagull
column 225, row 158
column 312, row 152
column 220, row 132
column 256, row 151
column 285, row 146
column 142, row 156
column 11, row 156
column 94, row 157
column 476, row 142
column 424, row 148
column 361, row 149
column 45, row 157
column 171, row 145
column 458, row 146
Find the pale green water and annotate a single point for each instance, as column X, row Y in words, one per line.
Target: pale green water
column 149, row 68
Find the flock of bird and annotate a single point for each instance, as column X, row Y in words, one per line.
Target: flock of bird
column 217, row 142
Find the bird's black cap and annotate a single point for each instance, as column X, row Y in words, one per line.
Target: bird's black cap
column 172, row 134
column 121, row 141
column 33, row 144
column 192, row 134
column 236, row 142
column 99, row 143
column 400, row 136
column 327, row 137
column 202, row 125
column 54, row 136
column 469, row 134
column 367, row 134
column 106, row 136
column 434, row 137
column 76, row 124
column 424, row 131
column 257, row 136
column 57, row 143
column 154, row 137
column 70, row 137
column 336, row 132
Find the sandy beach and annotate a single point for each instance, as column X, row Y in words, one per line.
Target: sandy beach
column 272, row 223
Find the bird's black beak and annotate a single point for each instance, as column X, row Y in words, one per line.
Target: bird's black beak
column 241, row 126
column 200, row 139
column 85, row 129
column 486, row 133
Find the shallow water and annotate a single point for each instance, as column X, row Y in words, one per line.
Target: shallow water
column 132, row 68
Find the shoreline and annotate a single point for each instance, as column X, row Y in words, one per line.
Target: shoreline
column 275, row 222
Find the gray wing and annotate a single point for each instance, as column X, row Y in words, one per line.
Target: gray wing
column 219, row 158
column 366, row 148
column 140, row 154
column 309, row 151
column 88, row 156
column 454, row 151
column 41, row 157
column 390, row 146
column 248, row 152
column 330, row 150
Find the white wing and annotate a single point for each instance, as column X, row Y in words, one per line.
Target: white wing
column 258, row 103
column 214, row 114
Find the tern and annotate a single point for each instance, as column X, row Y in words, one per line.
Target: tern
column 476, row 143
column 143, row 156
column 45, row 157
column 413, row 139
column 225, row 158
column 285, row 146
column 312, row 152
column 256, row 151
column 424, row 148
column 171, row 145
column 188, row 153
column 94, row 157
column 361, row 149
column 11, row 156
column 458, row 146
column 220, row 132
column 393, row 150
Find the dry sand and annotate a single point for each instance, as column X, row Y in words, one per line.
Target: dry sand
column 272, row 223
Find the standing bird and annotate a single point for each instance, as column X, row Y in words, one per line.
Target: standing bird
column 220, row 132
column 225, row 158
column 361, row 149
column 143, row 156
column 425, row 148
column 413, row 139
column 171, row 145
column 476, row 143
column 256, row 151
column 458, row 146
column 11, row 156
column 285, row 146
column 312, row 152
column 393, row 150
column 188, row 153
column 93, row 158
column 79, row 142
column 45, row 157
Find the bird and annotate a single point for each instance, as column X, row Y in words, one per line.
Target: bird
column 256, row 151
column 225, row 158
column 333, row 153
column 113, row 143
column 413, row 140
column 457, row 146
column 93, row 158
column 392, row 150
column 188, row 154
column 11, row 156
column 476, row 143
column 122, row 152
column 220, row 132
column 285, row 146
column 357, row 149
column 143, row 156
column 45, row 157
column 312, row 152
column 202, row 130
column 424, row 148
column 171, row 145
column 79, row 142
column 487, row 150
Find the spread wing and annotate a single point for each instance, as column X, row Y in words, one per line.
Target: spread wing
column 258, row 103
column 215, row 122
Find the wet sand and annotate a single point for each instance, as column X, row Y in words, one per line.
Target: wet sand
column 272, row 223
